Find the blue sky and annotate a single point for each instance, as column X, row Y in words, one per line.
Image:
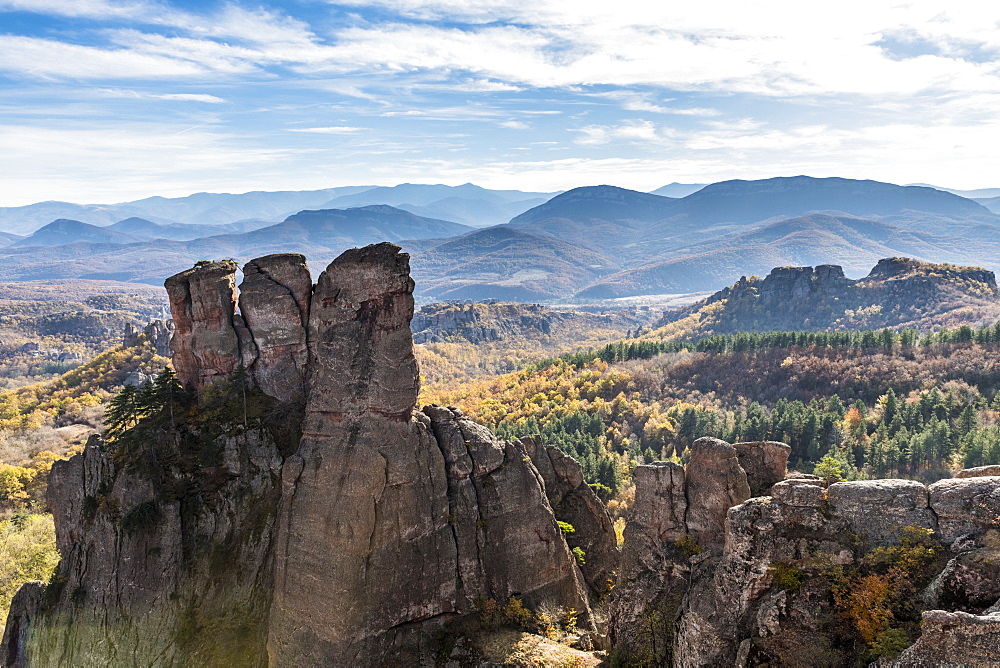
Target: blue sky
column 107, row 100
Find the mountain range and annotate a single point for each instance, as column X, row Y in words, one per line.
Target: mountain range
column 467, row 204
column 588, row 243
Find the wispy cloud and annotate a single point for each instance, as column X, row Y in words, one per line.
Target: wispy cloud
column 145, row 95
column 595, row 90
column 330, row 130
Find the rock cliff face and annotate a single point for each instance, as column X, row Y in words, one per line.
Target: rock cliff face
column 354, row 542
column 294, row 508
column 898, row 292
column 763, row 590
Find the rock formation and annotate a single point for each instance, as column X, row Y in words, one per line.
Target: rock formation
column 898, row 292
column 157, row 332
column 203, row 304
column 293, row 507
column 575, row 503
column 760, row 590
column 354, row 541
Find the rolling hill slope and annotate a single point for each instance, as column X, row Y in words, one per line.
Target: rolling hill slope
column 854, row 243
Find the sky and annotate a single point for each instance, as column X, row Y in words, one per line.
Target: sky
column 104, row 101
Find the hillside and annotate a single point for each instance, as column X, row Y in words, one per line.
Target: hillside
column 991, row 203
column 457, row 342
column 751, row 201
column 591, row 243
column 64, row 231
column 504, row 263
column 897, row 293
column 853, row 243
column 147, row 229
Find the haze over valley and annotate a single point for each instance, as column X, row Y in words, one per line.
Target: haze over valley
column 585, row 244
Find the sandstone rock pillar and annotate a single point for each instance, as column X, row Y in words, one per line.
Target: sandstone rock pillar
column 203, row 304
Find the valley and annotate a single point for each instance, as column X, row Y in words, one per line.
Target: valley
column 586, row 245
column 890, row 375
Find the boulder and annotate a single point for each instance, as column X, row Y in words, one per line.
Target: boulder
column 877, row 510
column 966, row 506
column 979, row 471
column 765, row 463
column 956, row 639
column 970, row 582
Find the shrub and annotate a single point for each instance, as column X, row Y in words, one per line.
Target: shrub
column 786, row 576
column 141, row 518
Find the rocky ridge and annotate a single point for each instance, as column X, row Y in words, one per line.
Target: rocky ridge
column 896, row 292
column 763, row 588
column 356, row 541
column 309, row 514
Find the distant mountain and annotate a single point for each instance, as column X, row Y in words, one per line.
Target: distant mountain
column 467, row 203
column 854, row 243
column 991, row 203
column 344, row 228
column 753, row 201
column 604, row 219
column 222, row 208
column 321, row 235
column 65, row 231
column 504, row 263
column 6, row 238
column 605, row 203
column 146, row 229
column 897, row 293
column 678, row 189
column 979, row 193
column 26, row 219
column 593, row 242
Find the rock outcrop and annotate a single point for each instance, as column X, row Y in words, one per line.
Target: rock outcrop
column 898, row 292
column 765, row 463
column 157, row 332
column 575, row 503
column 354, row 538
column 759, row 591
column 274, row 304
column 203, row 304
column 715, row 482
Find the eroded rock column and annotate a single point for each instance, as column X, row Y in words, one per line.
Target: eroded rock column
column 364, row 546
column 274, row 303
column 203, row 303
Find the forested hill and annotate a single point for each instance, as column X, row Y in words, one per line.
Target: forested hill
column 897, row 293
column 867, row 404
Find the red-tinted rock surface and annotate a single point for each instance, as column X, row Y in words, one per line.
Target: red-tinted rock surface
column 378, row 527
column 203, row 303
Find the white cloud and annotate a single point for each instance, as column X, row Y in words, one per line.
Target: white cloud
column 330, row 130
column 51, row 59
column 639, row 131
column 774, row 48
column 143, row 95
column 94, row 9
column 515, row 125
column 112, row 161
